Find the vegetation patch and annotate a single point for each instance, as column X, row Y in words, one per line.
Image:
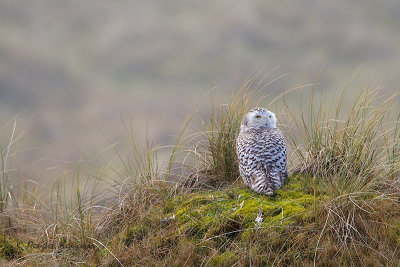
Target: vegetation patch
column 10, row 249
column 237, row 208
column 340, row 207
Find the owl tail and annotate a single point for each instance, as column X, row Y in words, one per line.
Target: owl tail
column 262, row 185
column 276, row 179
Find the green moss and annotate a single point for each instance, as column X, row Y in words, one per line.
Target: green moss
column 10, row 249
column 227, row 258
column 204, row 214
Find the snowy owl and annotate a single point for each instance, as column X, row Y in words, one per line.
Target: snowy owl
column 261, row 151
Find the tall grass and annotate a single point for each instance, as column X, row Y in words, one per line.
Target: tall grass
column 141, row 164
column 6, row 193
column 73, row 203
column 4, row 183
column 347, row 149
column 222, row 127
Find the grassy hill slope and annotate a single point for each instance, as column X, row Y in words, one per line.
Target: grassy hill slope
column 340, row 205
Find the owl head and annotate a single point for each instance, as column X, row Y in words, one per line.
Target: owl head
column 259, row 117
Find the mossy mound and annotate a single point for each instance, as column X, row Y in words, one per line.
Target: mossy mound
column 219, row 228
column 217, row 225
column 235, row 210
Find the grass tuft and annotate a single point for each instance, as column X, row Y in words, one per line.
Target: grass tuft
column 347, row 149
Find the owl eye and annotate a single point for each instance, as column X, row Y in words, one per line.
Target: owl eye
column 270, row 116
column 258, row 116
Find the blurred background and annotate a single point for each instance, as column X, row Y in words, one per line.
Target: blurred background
column 69, row 70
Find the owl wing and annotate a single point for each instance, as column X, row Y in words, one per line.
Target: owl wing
column 275, row 156
column 249, row 151
column 262, row 159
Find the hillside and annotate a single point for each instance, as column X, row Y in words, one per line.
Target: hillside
column 340, row 205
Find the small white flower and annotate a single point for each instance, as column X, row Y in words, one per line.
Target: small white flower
column 259, row 219
column 240, row 206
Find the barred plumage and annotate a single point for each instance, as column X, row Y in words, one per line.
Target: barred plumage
column 261, row 151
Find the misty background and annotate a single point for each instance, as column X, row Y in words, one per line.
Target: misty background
column 69, row 70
